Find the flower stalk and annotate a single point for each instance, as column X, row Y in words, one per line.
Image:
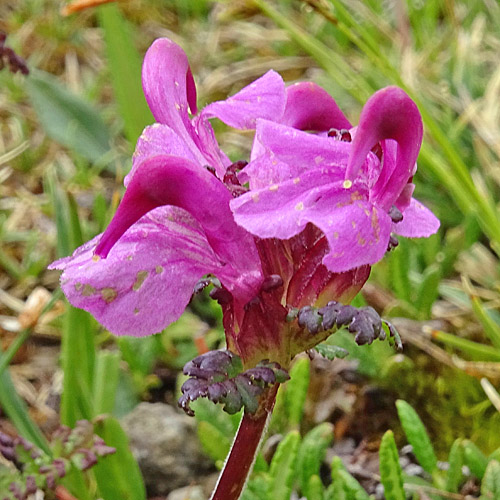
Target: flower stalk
column 244, row 449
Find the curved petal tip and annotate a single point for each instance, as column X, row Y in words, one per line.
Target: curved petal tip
column 388, row 114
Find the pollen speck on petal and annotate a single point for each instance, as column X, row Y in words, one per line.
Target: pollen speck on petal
column 140, row 278
column 88, row 290
column 109, row 294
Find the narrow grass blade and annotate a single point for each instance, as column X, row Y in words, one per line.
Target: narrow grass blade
column 125, row 67
column 475, row 350
column 118, row 477
column 17, row 412
column 107, row 372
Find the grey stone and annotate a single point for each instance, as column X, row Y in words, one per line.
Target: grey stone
column 166, row 446
column 187, row 493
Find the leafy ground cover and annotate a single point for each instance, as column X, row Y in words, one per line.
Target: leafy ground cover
column 67, row 132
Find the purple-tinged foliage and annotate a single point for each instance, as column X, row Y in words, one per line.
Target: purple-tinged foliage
column 364, row 322
column 76, row 448
column 9, row 57
column 219, row 376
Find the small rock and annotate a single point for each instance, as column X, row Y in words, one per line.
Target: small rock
column 166, row 446
column 187, row 493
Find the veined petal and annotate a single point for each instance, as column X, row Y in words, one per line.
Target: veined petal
column 309, row 107
column 280, row 152
column 157, row 140
column 148, row 279
column 169, row 180
column 388, row 114
column 357, row 233
column 283, row 210
column 418, row 221
column 264, row 98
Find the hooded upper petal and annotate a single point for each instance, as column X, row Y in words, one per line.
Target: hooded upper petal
column 166, row 78
column 158, row 139
column 309, row 107
column 388, row 114
column 147, row 280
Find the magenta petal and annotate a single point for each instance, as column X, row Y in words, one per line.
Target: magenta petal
column 148, row 279
column 283, row 210
column 418, row 221
column 264, row 98
column 309, row 107
column 170, row 90
column 280, row 152
column 388, row 114
column 357, row 234
column 169, row 180
column 157, row 140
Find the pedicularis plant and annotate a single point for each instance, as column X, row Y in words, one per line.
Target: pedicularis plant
column 286, row 239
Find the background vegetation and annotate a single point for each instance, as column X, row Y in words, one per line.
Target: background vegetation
column 67, row 133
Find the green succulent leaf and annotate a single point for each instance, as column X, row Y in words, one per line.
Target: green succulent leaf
column 391, row 474
column 417, row 436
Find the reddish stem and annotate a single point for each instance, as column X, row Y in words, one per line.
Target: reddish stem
column 244, row 450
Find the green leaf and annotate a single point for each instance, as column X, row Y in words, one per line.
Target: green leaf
column 331, row 352
column 350, row 486
column 475, row 459
column 399, row 269
column 315, row 488
column 118, row 475
column 296, row 391
column 107, row 372
column 455, row 463
column 391, row 474
column 337, row 490
column 257, row 488
column 312, row 452
column 124, row 64
column 214, row 443
column 78, row 358
column 428, row 291
column 282, row 469
column 491, row 328
column 490, row 487
column 17, row 412
column 417, row 436
column 67, row 118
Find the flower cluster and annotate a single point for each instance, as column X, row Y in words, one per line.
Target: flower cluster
column 300, row 225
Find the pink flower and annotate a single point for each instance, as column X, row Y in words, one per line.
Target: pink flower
column 318, row 211
column 357, row 193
